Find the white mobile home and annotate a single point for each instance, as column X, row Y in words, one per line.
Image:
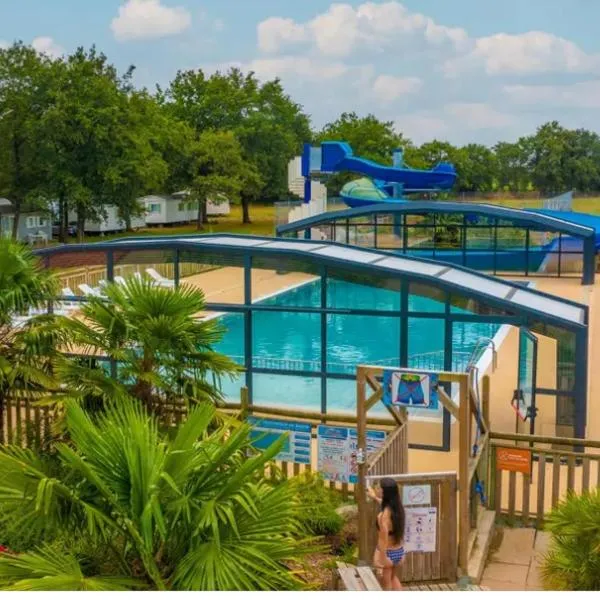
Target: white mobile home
column 178, row 208
column 112, row 223
column 34, row 226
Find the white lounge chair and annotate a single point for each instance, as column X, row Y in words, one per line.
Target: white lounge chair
column 159, row 279
column 89, row 291
column 119, row 280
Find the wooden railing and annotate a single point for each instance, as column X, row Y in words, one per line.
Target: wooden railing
column 93, row 275
column 555, row 471
column 25, row 424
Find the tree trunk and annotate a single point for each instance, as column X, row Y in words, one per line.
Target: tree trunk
column 202, row 215
column 63, row 218
column 17, row 215
column 245, row 210
column 80, row 223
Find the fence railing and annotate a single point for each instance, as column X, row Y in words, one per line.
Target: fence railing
column 430, row 361
column 555, row 470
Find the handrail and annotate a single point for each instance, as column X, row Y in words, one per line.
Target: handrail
column 522, row 437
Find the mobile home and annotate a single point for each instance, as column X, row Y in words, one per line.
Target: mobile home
column 178, row 208
column 34, row 226
column 111, row 223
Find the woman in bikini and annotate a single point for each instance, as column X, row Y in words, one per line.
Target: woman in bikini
column 390, row 526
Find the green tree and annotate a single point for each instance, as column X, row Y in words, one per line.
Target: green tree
column 188, row 511
column 163, row 351
column 219, row 168
column 513, row 165
column 27, row 350
column 269, row 125
column 24, row 98
column 477, row 168
column 549, row 153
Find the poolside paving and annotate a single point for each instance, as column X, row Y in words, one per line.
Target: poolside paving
column 517, row 562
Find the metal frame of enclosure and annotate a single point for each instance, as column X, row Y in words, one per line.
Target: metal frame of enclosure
column 487, row 238
column 459, row 296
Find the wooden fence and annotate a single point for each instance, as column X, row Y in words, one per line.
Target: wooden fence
column 440, row 565
column 92, row 276
column 555, row 470
column 24, row 424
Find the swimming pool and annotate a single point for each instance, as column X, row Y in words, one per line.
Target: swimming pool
column 291, row 341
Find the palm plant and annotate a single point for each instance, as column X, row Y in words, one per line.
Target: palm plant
column 573, row 560
column 27, row 348
column 155, row 341
column 187, row 512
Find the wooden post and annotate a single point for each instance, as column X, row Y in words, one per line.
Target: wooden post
column 244, row 402
column 464, row 487
column 361, row 491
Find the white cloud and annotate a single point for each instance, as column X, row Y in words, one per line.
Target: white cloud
column 422, row 127
column 148, row 19
column 388, row 88
column 46, row 45
column 523, row 54
column 585, row 94
column 343, row 30
column 478, row 115
column 276, row 33
column 3, row 44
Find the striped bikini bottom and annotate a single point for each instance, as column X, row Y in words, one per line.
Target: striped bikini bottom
column 395, row 555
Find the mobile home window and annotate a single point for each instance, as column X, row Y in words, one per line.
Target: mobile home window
column 154, row 208
column 181, row 206
column 32, row 222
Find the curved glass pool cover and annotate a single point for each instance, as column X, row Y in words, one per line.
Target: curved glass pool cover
column 300, row 315
column 483, row 237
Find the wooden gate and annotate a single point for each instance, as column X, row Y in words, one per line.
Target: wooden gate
column 441, row 564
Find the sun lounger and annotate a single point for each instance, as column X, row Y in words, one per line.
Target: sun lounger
column 89, row 291
column 159, row 279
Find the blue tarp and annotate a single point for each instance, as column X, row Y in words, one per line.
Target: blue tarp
column 585, row 219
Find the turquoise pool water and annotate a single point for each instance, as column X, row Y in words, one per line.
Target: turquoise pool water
column 292, row 341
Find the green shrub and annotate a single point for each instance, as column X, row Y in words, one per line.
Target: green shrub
column 573, row 560
column 318, row 504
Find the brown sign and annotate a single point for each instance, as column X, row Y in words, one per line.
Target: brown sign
column 514, row 459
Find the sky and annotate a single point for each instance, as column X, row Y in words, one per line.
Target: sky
column 460, row 70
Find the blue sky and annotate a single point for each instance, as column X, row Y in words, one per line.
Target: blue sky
column 462, row 70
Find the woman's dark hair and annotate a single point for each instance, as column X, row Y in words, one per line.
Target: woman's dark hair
column 391, row 499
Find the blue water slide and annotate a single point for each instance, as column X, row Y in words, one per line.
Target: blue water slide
column 338, row 156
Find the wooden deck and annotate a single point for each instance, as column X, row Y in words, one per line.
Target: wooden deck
column 350, row 578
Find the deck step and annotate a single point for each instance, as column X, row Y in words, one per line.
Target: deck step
column 481, row 546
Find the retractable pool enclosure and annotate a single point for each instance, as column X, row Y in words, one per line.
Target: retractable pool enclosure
column 296, row 311
column 493, row 239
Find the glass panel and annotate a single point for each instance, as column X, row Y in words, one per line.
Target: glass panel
column 221, row 278
column 354, row 340
column 75, row 269
column 549, row 306
column 526, row 381
column 287, row 391
column 389, row 232
column 410, row 266
column 484, row 285
column 448, row 231
column 420, row 235
column 354, row 295
column 285, row 281
column 479, row 238
column 362, row 231
column 424, row 298
column 426, row 344
column 286, row 341
column 348, row 254
column 470, row 342
column 341, row 398
column 511, row 245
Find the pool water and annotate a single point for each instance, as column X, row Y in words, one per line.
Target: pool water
column 286, row 341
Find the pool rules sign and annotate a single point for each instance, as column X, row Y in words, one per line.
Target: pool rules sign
column 420, row 531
